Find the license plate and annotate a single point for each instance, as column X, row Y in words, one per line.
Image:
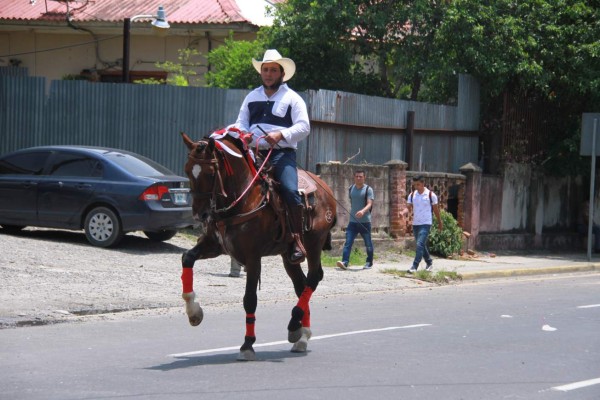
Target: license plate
column 180, row 199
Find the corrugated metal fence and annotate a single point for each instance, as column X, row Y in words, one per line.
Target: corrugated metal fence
column 147, row 119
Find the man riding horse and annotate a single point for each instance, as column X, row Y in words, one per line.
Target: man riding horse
column 277, row 118
column 232, row 198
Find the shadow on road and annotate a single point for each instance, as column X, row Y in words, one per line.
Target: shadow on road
column 224, row 359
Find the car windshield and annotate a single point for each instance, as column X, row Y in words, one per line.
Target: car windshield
column 138, row 165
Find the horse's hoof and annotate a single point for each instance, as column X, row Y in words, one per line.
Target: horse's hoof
column 193, row 309
column 302, row 344
column 195, row 313
column 195, row 320
column 294, row 336
column 247, row 355
column 307, row 332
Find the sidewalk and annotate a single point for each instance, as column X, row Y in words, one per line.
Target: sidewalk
column 490, row 265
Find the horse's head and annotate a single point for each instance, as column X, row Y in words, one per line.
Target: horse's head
column 201, row 169
column 215, row 167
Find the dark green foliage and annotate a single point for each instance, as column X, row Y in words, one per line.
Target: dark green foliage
column 450, row 240
column 231, row 64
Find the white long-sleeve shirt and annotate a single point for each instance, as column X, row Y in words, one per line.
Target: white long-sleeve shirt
column 284, row 111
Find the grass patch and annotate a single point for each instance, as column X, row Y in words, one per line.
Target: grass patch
column 357, row 257
column 440, row 276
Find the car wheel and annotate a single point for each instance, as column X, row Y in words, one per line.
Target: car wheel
column 12, row 228
column 102, row 227
column 160, row 236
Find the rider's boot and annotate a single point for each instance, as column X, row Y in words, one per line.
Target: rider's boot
column 297, row 253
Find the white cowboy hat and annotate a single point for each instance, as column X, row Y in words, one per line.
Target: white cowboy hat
column 272, row 55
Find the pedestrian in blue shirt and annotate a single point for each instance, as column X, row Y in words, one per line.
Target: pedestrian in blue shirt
column 361, row 201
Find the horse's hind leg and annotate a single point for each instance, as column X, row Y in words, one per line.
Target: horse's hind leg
column 299, row 326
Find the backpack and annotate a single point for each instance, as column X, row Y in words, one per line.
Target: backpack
column 366, row 195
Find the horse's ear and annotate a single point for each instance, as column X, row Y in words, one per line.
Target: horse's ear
column 187, row 141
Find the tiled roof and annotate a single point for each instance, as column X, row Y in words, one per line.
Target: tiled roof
column 178, row 11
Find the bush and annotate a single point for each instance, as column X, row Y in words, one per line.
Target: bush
column 450, row 240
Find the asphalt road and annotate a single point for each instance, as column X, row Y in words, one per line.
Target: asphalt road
column 516, row 338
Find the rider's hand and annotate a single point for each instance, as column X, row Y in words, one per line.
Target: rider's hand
column 273, row 138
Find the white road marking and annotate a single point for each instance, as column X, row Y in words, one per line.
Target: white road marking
column 577, row 385
column 590, row 306
column 548, row 328
column 220, row 349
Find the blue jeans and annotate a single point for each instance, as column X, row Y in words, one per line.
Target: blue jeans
column 284, row 172
column 421, row 233
column 352, row 230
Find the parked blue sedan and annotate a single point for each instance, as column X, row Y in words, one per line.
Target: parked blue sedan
column 107, row 192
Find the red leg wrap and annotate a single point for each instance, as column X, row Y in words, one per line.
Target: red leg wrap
column 305, row 298
column 306, row 318
column 187, row 279
column 250, row 321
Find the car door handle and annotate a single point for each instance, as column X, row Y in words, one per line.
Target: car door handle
column 83, row 186
column 30, row 184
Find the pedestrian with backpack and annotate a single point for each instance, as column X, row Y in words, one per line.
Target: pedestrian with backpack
column 361, row 202
column 423, row 202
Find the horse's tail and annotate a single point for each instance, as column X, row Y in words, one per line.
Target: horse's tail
column 327, row 244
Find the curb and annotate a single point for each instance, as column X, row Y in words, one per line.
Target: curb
column 530, row 271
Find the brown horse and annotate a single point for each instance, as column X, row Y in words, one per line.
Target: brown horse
column 242, row 216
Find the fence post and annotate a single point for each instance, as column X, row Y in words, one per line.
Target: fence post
column 410, row 139
column 397, row 191
column 472, row 201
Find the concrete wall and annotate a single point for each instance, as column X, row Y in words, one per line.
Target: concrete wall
column 535, row 211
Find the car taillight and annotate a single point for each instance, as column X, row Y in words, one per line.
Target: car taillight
column 154, row 192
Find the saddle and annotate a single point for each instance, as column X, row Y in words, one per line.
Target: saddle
column 306, row 187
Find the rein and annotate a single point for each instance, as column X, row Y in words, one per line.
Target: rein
column 214, row 161
column 256, row 175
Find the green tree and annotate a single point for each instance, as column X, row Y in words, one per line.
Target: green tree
column 371, row 47
column 543, row 45
column 231, row 66
column 544, row 50
column 316, row 35
column 400, row 36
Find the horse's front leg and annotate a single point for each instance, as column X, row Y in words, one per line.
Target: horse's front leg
column 192, row 307
column 203, row 249
column 247, row 352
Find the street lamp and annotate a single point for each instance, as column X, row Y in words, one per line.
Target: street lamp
column 159, row 21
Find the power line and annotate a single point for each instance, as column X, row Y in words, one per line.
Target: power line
column 60, row 48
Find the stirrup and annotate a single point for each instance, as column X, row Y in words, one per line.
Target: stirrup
column 297, row 253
